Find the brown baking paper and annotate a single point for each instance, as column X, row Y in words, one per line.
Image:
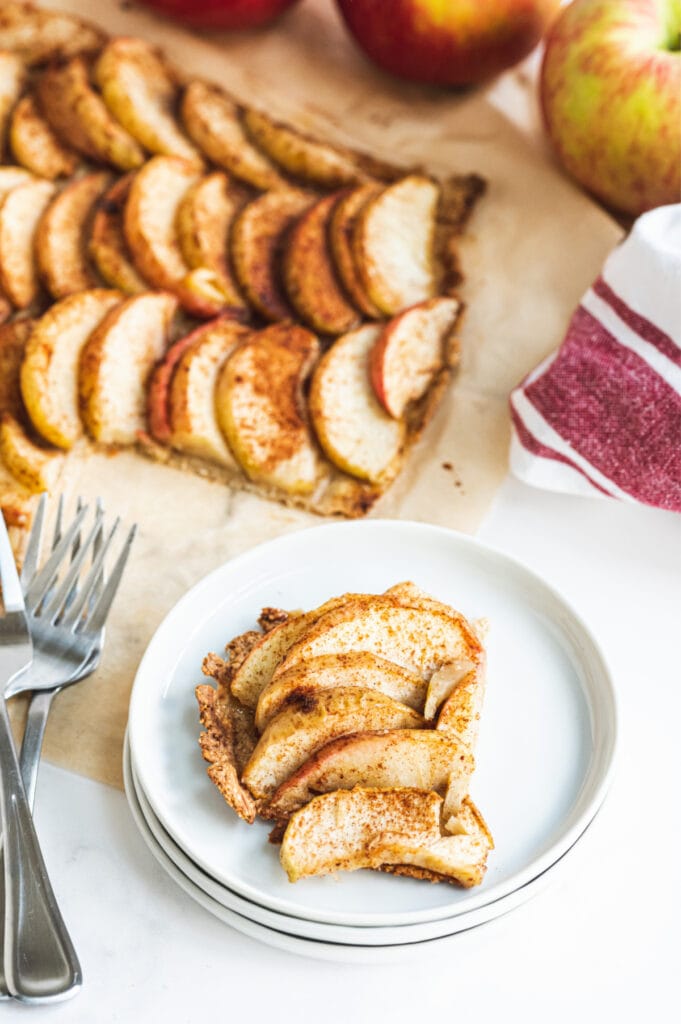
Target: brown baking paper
column 534, row 244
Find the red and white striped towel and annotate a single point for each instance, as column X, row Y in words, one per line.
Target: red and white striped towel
column 602, row 415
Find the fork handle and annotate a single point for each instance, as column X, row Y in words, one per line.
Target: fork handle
column 32, row 743
column 40, row 962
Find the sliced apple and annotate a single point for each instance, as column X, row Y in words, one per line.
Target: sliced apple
column 38, row 36
column 353, row 668
column 49, row 374
column 158, row 390
column 12, row 177
column 193, row 419
column 20, row 214
column 139, row 89
column 309, row 274
column 35, row 146
column 257, row 242
column 116, row 362
column 108, row 247
column 81, row 119
column 335, row 831
column 412, row 758
column 393, row 244
column 13, row 339
column 455, row 858
column 204, row 219
column 410, row 352
column 461, row 710
column 256, row 670
column 420, row 639
column 212, row 121
column 356, row 434
column 341, row 230
column 61, row 238
column 303, row 156
column 35, row 468
column 12, row 79
column 309, row 721
column 261, row 409
column 150, row 219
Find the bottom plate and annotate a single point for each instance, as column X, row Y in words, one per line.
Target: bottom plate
column 348, row 945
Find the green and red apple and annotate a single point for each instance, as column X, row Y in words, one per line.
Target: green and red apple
column 611, row 99
column 221, row 14
column 447, row 42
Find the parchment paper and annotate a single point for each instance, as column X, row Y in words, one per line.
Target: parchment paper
column 534, row 244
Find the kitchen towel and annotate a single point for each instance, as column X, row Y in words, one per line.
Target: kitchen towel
column 602, row 415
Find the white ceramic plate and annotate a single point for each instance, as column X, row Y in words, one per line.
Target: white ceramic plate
column 346, row 935
column 547, row 739
column 462, row 941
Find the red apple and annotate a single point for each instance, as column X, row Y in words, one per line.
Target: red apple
column 447, row 42
column 611, row 99
column 221, row 14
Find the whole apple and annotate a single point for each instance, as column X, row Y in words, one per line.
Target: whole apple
column 221, row 14
column 447, row 42
column 611, row 99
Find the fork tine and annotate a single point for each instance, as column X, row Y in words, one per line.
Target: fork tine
column 73, row 615
column 58, row 522
column 69, row 583
column 43, row 580
column 103, row 606
column 34, row 541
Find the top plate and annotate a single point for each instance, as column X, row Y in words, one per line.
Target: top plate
column 547, row 735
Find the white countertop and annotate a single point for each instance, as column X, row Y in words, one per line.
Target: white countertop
column 600, row 943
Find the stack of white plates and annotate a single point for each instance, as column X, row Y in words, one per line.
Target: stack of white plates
column 544, row 758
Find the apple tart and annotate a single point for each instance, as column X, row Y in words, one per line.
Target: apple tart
column 183, row 273
column 352, row 727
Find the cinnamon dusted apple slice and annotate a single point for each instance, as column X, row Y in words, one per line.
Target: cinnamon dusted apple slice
column 310, row 276
column 139, row 90
column 150, row 219
column 455, row 858
column 355, row 432
column 20, row 213
column 420, row 639
column 256, row 670
column 257, row 241
column 393, row 244
column 35, row 146
column 204, row 220
column 212, row 121
column 80, row 118
column 115, row 364
column 260, row 408
column 335, row 831
column 158, row 390
column 192, row 413
column 49, row 374
column 460, row 712
column 411, row 758
column 38, row 36
column 411, row 350
column 12, row 177
column 341, row 230
column 302, row 156
column 308, row 721
column 61, row 238
column 35, row 468
column 108, row 247
column 12, row 79
column 352, row 668
column 13, row 339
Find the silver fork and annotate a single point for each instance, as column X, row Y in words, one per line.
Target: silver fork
column 66, row 620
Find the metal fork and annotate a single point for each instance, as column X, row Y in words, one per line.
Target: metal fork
column 66, row 620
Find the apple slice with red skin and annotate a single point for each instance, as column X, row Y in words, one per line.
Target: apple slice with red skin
column 191, row 403
column 257, row 241
column 413, row 758
column 410, row 351
column 356, row 434
column 261, row 408
column 158, row 390
column 108, row 247
column 341, row 229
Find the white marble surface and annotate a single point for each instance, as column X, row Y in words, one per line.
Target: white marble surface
column 599, row 944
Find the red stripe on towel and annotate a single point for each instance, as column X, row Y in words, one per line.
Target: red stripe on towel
column 530, row 442
column 643, row 327
column 612, row 407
